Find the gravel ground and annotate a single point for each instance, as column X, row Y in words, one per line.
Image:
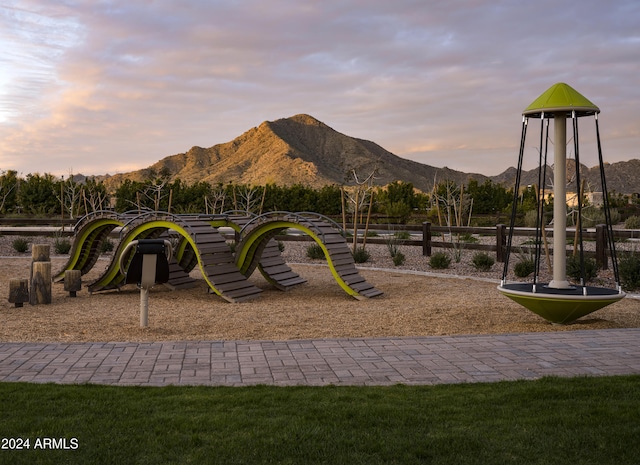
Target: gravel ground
column 417, row 301
column 295, row 252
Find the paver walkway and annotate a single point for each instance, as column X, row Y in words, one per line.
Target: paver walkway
column 380, row 361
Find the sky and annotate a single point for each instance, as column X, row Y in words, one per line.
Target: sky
column 109, row 86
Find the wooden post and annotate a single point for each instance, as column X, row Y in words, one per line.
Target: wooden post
column 40, row 275
column 40, row 283
column 40, row 253
column 344, row 210
column 501, row 241
column 366, row 227
column 264, row 196
column 18, row 291
column 601, row 246
column 355, row 220
column 426, row 239
column 72, row 281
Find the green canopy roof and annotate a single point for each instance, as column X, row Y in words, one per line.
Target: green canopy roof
column 560, row 99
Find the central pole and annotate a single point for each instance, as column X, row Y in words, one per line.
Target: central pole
column 560, row 204
column 144, row 307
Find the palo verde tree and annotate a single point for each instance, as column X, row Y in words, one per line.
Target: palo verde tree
column 397, row 200
column 186, row 198
column 489, row 197
column 128, row 196
column 37, row 194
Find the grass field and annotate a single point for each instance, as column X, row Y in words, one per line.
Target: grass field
column 548, row 421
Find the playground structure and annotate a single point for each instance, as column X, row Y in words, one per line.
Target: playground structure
column 559, row 301
column 197, row 241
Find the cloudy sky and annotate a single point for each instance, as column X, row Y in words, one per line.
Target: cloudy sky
column 107, row 86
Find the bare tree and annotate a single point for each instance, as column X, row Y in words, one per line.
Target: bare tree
column 215, row 203
column 70, row 195
column 455, row 204
column 360, row 198
column 248, row 198
column 155, row 192
column 94, row 198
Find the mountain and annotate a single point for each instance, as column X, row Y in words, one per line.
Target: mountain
column 303, row 150
column 621, row 177
column 295, row 150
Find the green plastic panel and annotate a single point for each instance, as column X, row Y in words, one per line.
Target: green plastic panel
column 559, row 99
column 557, row 308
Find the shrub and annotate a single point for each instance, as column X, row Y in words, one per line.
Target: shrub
column 530, row 218
column 106, row 246
column 398, row 259
column 402, row 235
column 20, row 245
column 392, row 245
column 633, row 222
column 592, row 218
column 629, row 269
column 468, row 238
column 574, row 271
column 62, row 245
column 439, row 261
column 482, row 261
column 524, row 267
column 315, row 252
column 281, row 246
column 361, row 255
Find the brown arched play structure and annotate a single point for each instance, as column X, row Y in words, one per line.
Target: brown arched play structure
column 200, row 243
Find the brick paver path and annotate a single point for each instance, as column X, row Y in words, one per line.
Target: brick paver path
column 380, row 361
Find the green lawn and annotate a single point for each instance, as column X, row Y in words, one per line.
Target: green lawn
column 549, row 421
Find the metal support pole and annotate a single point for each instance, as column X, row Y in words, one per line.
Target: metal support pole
column 560, row 204
column 144, row 307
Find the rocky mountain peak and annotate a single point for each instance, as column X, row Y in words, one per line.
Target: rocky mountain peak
column 303, row 150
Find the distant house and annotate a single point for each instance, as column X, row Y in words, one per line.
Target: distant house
column 593, row 198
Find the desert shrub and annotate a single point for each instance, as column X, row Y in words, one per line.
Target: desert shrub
column 439, row 261
column 402, row 235
column 62, row 245
column 592, row 218
column 392, row 245
column 574, row 271
column 482, row 261
column 20, row 245
column 398, row 259
column 524, row 267
column 361, row 255
column 106, row 246
column 468, row 238
column 629, row 269
column 530, row 218
column 633, row 222
column 315, row 252
column 281, row 246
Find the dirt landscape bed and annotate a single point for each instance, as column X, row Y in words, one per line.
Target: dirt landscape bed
column 413, row 304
